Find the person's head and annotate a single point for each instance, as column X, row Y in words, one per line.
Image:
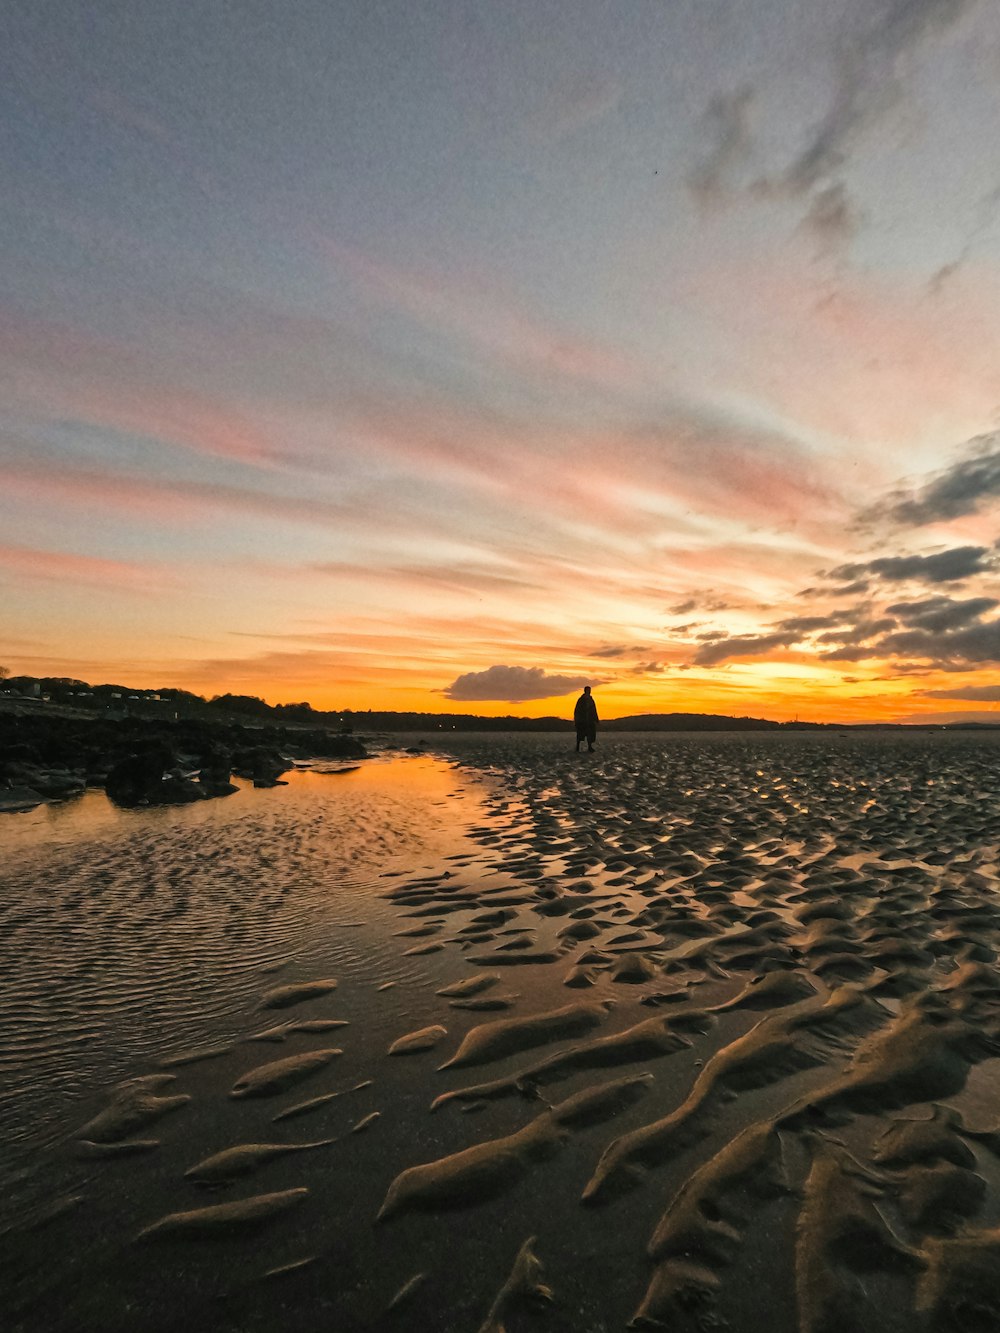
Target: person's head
column 586, row 689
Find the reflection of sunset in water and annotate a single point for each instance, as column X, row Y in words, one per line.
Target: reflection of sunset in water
column 130, row 931
column 396, row 784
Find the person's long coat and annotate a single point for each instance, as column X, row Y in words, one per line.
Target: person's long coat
column 585, row 716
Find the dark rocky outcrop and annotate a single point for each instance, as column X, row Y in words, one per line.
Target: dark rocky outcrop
column 153, row 762
column 261, row 764
column 13, row 800
column 151, row 777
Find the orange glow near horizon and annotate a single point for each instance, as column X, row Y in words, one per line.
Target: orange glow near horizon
column 780, row 692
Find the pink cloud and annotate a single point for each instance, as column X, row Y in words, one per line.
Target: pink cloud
column 577, row 102
column 485, row 319
column 461, row 577
column 163, row 499
column 871, row 359
column 699, row 465
column 55, row 369
column 26, row 562
column 127, row 115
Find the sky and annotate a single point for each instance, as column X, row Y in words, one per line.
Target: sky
column 449, row 356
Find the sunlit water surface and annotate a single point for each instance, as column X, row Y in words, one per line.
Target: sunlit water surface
column 128, row 933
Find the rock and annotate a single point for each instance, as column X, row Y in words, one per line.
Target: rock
column 52, row 783
column 14, row 800
column 57, row 756
column 262, row 764
column 215, row 766
column 139, row 779
column 58, row 783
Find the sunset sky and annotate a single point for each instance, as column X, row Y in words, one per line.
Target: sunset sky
column 447, row 355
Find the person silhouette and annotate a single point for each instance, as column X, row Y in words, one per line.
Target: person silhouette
column 585, row 720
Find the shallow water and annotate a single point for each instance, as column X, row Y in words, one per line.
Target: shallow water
column 131, row 933
column 865, row 861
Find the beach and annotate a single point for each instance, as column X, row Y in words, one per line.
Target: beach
column 695, row 1032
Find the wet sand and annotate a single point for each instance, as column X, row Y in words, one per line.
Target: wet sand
column 697, row 1032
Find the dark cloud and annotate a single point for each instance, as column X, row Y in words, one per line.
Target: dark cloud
column 987, row 214
column 512, row 684
column 806, row 624
column 978, row 693
column 943, row 632
column 648, row 669
column 750, row 645
column 943, row 275
column 831, row 217
column 703, row 604
column 940, row 614
column 962, row 716
column 908, row 22
column 861, row 632
column 978, row 643
column 909, row 669
column 945, row 567
column 851, row 589
column 717, row 646
column 852, row 653
column 868, row 71
column 613, row 650
column 964, row 488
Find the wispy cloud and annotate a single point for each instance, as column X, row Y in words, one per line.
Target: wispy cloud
column 466, row 578
column 127, row 115
column 976, row 693
column 577, row 102
column 832, row 218
column 870, row 64
column 163, row 499
column 59, row 566
column 485, row 320
column 57, row 371
column 726, row 127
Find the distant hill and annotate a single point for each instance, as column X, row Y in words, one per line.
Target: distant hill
column 689, row 722
column 169, row 703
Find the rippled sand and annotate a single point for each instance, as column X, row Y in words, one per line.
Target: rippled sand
column 700, row 1032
